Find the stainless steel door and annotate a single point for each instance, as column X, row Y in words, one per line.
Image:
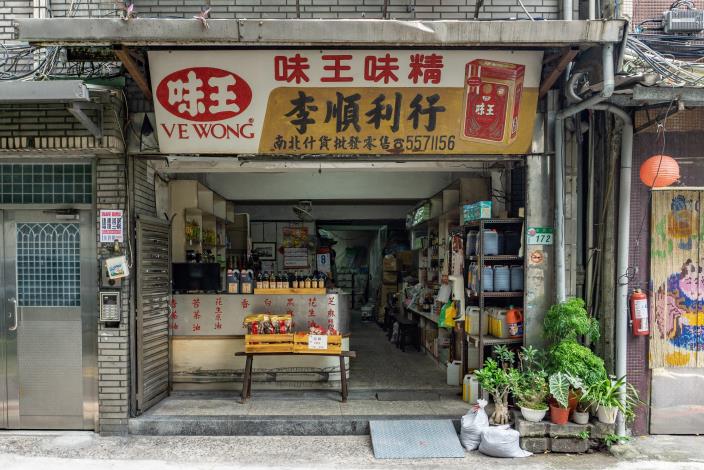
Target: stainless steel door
column 49, row 337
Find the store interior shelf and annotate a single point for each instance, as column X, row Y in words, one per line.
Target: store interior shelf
column 497, row 295
column 496, row 258
column 476, row 223
column 489, row 340
column 426, row 315
column 290, row 291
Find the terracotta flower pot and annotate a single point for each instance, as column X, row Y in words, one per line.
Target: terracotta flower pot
column 559, row 415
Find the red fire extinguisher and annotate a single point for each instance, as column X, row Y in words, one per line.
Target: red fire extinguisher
column 639, row 313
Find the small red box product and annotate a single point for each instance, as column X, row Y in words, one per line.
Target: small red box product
column 492, row 101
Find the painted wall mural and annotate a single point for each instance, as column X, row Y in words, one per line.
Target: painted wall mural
column 677, row 279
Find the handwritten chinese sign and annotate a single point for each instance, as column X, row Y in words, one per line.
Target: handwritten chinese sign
column 208, row 315
column 345, row 102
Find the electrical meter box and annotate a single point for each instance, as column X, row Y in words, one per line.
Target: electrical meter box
column 683, row 21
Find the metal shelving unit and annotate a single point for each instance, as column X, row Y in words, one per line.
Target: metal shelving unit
column 481, row 341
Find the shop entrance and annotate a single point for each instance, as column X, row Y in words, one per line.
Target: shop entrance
column 47, row 358
column 377, row 243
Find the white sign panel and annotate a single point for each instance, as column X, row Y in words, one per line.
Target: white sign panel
column 317, row 342
column 345, row 101
column 539, row 235
column 111, row 226
column 324, row 262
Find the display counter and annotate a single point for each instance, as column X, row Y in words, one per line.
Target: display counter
column 207, row 330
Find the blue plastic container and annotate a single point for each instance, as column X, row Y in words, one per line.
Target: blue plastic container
column 490, row 240
column 516, row 278
column 488, row 279
column 502, row 279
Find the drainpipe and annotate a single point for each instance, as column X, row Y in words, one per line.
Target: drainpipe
column 607, row 90
column 567, row 10
column 624, row 217
column 624, row 212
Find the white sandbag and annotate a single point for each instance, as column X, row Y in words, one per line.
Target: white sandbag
column 473, row 424
column 502, row 441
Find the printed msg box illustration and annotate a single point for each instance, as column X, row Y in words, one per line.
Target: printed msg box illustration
column 492, row 101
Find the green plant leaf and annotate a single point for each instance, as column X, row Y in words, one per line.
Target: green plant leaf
column 560, row 388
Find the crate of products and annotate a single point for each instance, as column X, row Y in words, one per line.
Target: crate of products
column 280, row 343
column 268, row 333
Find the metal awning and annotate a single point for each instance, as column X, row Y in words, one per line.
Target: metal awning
column 366, row 33
column 73, row 93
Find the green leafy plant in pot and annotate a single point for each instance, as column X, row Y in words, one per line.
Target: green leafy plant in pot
column 560, row 384
column 606, row 396
column 565, row 323
column 529, row 386
column 580, row 415
column 496, row 378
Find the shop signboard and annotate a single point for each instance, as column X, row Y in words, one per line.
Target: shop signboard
column 375, row 102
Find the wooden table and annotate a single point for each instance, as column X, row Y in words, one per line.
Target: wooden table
column 247, row 380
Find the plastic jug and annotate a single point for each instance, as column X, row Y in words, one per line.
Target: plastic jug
column 514, row 320
column 471, row 248
column 470, row 389
column 472, row 320
column 500, row 323
column 453, row 372
column 491, row 316
column 516, row 278
column 490, row 239
column 487, row 279
column 502, row 279
column 472, row 277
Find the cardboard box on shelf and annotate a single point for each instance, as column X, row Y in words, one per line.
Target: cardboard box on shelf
column 390, row 263
column 404, row 259
column 390, row 277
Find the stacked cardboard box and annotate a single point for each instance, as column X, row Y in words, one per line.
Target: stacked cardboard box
column 389, row 284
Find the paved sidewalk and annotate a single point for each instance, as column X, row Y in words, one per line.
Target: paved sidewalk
column 78, row 451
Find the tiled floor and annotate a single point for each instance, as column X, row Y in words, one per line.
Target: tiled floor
column 384, row 381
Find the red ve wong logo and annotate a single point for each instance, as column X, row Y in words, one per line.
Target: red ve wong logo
column 204, row 94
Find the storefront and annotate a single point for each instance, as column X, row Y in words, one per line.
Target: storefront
column 249, row 158
column 235, row 254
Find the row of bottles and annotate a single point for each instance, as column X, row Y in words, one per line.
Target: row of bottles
column 272, row 280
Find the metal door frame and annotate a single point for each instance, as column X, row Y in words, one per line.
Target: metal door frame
column 4, row 399
column 88, row 292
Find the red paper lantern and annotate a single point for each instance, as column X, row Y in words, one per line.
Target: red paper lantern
column 659, row 171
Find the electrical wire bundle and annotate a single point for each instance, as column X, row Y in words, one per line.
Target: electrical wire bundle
column 25, row 62
column 640, row 58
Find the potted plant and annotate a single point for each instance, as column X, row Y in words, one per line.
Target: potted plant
column 565, row 323
column 569, row 320
column 580, row 415
column 496, row 378
column 560, row 384
column 530, row 387
column 606, row 396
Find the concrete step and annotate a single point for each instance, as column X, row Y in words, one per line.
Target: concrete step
column 263, row 425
